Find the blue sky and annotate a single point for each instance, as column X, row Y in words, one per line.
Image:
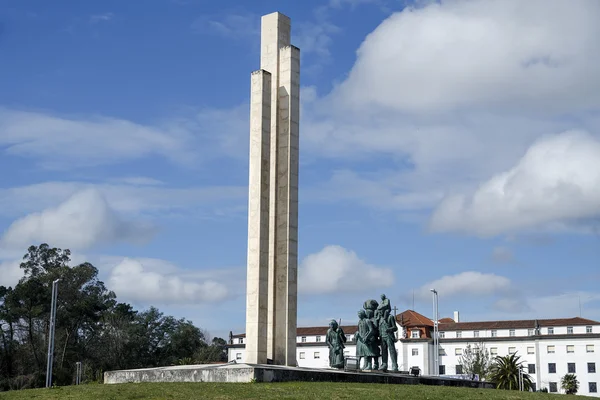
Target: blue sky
column 451, row 144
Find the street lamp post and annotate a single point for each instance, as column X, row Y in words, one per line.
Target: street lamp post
column 436, row 341
column 51, row 334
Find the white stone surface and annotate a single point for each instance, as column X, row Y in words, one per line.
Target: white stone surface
column 282, row 62
column 258, row 218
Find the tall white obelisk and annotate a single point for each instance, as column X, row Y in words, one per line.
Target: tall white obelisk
column 272, row 276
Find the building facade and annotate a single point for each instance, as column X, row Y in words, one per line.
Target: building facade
column 549, row 348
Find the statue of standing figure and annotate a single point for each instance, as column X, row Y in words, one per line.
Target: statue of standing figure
column 377, row 327
column 335, row 339
column 387, row 331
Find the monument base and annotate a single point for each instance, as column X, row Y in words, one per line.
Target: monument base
column 244, row 373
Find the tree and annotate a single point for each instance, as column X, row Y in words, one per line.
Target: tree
column 475, row 360
column 504, row 373
column 81, row 302
column 92, row 327
column 569, row 384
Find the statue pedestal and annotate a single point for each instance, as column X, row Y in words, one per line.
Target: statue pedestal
column 244, row 373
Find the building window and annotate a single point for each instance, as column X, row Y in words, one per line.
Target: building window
column 318, row 338
column 415, row 352
column 240, row 340
column 570, row 348
column 348, row 338
column 550, row 331
column 588, row 329
column 591, row 368
column 551, row 368
column 494, row 333
column 302, row 355
column 493, row 351
column 459, row 370
column 238, row 356
column 442, row 334
column 511, row 332
column 592, row 388
column 442, row 370
column 553, row 387
column 458, row 351
column 512, row 350
column 415, row 334
column 303, row 339
column 317, row 355
column 530, row 350
column 589, row 348
column 531, row 368
column 458, row 334
column 475, row 333
column 569, row 330
column 571, row 368
column 530, row 332
column 550, row 349
column 442, row 352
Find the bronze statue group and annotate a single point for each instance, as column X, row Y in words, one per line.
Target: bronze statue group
column 375, row 337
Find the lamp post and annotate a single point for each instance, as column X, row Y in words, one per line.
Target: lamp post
column 51, row 334
column 436, row 342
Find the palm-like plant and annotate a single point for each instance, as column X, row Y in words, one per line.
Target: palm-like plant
column 570, row 384
column 504, row 373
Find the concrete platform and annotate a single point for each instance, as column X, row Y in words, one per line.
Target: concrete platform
column 244, row 373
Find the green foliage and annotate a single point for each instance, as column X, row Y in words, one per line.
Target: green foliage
column 92, row 327
column 569, row 384
column 476, row 360
column 504, row 373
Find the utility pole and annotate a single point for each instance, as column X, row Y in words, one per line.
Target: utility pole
column 436, row 344
column 78, row 373
column 51, row 334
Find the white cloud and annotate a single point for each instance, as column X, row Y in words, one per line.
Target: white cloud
column 10, row 273
column 468, row 283
column 138, row 181
column 352, row 3
column 82, row 221
column 557, row 180
column 61, row 142
column 130, row 199
column 94, row 19
column 502, row 255
column 190, row 138
column 235, row 25
column 133, row 281
column 446, row 107
column 481, row 53
column 381, row 190
column 336, row 269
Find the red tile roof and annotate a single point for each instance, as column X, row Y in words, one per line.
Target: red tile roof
column 410, row 318
column 515, row 324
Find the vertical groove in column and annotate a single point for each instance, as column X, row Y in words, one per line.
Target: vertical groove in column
column 258, row 218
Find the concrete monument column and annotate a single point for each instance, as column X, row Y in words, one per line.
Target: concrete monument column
column 273, row 202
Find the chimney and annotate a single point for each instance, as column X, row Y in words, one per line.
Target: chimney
column 456, row 317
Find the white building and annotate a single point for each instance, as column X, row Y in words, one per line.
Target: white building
column 549, row 348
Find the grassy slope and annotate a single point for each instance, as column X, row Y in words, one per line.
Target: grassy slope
column 291, row 390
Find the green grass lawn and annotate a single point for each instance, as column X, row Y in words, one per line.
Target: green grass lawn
column 288, row 390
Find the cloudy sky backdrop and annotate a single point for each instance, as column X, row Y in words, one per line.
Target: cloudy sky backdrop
column 451, row 144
